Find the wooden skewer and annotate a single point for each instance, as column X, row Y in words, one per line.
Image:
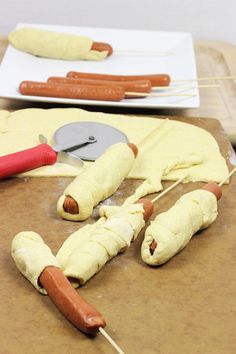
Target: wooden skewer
column 227, row 177
column 207, row 78
column 182, row 178
column 168, row 189
column 143, row 52
column 144, row 94
column 184, row 87
column 110, row 340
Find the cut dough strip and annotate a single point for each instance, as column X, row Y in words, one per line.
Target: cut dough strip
column 154, row 200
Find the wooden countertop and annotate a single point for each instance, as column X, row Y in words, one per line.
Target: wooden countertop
column 213, row 59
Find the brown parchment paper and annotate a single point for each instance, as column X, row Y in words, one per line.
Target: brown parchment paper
column 186, row 306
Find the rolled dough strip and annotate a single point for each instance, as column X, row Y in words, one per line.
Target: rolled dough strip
column 173, row 229
column 32, row 256
column 82, row 257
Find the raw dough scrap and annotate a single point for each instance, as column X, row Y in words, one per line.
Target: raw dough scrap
column 98, row 181
column 32, row 256
column 155, row 138
column 86, row 251
column 153, row 183
column 173, row 229
column 54, row 45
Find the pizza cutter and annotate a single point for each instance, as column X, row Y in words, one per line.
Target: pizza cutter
column 73, row 142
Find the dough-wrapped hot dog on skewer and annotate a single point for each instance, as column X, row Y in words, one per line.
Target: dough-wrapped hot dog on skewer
column 36, row 262
column 66, row 46
column 97, row 182
column 171, row 231
column 50, row 44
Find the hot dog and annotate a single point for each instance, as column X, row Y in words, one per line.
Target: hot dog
column 214, row 188
column 71, row 206
column 69, row 302
column 134, row 148
column 156, row 79
column 86, row 92
column 102, row 47
column 129, row 86
column 148, row 208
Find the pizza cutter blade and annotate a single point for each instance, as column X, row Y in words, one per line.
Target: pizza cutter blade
column 74, row 141
column 87, row 140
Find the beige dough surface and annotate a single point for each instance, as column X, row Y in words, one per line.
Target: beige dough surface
column 32, row 256
column 87, row 250
column 173, row 229
column 54, row 45
column 168, row 149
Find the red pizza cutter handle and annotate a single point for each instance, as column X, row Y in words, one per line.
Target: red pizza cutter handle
column 26, row 160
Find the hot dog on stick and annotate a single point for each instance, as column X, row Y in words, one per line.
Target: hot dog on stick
column 144, row 86
column 86, row 92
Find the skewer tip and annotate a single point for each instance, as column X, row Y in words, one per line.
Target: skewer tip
column 110, row 340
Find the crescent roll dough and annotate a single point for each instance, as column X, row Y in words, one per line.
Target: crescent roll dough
column 54, row 45
column 32, row 256
column 86, row 251
column 173, row 229
column 98, row 181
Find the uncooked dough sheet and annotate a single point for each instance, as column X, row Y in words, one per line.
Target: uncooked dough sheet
column 159, row 141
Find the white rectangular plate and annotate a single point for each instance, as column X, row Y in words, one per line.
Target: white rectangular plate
column 180, row 64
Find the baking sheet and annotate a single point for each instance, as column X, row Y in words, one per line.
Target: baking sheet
column 185, row 306
column 180, row 64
